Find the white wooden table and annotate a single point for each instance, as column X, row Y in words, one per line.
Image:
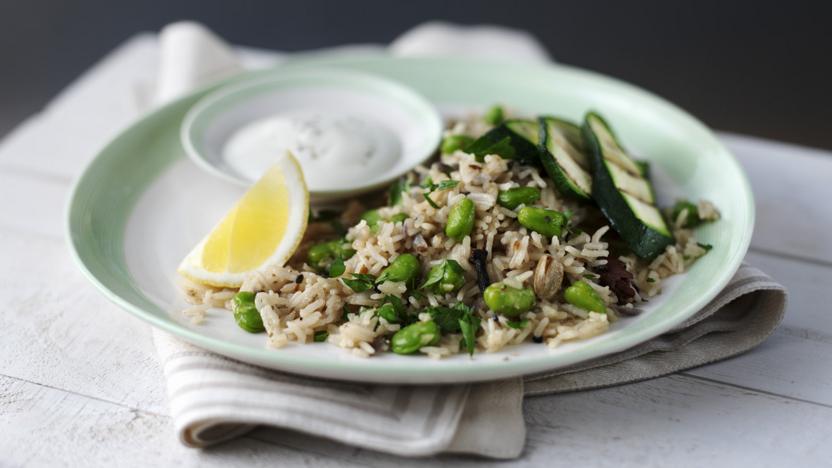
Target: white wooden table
column 80, row 386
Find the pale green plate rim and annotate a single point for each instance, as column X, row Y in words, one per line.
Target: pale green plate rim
column 96, row 243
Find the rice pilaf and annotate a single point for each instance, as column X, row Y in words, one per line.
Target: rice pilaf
column 300, row 303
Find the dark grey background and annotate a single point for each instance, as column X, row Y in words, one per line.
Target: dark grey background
column 763, row 68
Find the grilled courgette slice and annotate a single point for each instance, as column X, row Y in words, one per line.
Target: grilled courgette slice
column 512, row 139
column 621, row 189
column 561, row 152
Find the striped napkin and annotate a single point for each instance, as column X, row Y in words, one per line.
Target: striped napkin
column 213, row 398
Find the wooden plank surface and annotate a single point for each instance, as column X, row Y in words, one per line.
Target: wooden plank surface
column 680, row 419
column 788, row 182
column 43, row 426
column 79, row 384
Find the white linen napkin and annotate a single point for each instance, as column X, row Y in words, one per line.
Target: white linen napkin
column 214, row 398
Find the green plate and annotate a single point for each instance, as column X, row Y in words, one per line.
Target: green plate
column 141, row 205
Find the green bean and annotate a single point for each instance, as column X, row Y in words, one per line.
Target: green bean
column 342, row 249
column 249, row 319
column 508, row 301
column 581, row 294
column 514, row 197
column 320, row 256
column 452, row 279
column 398, row 218
column 445, row 277
column 345, row 251
column 243, row 298
column 460, row 220
column 409, row 339
column 452, row 143
column 404, row 268
column 336, row 268
column 246, row 314
column 545, row 222
column 372, row 217
column 494, row 115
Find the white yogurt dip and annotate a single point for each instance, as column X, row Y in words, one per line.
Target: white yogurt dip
column 329, row 148
column 350, row 132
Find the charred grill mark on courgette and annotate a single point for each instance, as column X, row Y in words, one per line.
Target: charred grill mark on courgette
column 566, row 163
column 637, row 186
column 614, row 152
column 574, row 141
column 622, row 191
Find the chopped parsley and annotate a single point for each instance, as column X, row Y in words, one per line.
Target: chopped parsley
column 448, row 318
column 360, row 282
column 468, row 325
column 399, row 187
column 431, row 187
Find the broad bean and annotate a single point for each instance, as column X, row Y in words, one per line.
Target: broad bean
column 404, row 268
column 581, row 294
column 508, row 301
column 460, row 220
column 545, row 222
column 409, row 339
column 514, row 197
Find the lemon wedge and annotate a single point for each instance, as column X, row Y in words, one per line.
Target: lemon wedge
column 263, row 229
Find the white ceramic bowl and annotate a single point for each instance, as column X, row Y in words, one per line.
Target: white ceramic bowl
column 412, row 120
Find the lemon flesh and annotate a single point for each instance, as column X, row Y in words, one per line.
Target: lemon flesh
column 263, row 229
